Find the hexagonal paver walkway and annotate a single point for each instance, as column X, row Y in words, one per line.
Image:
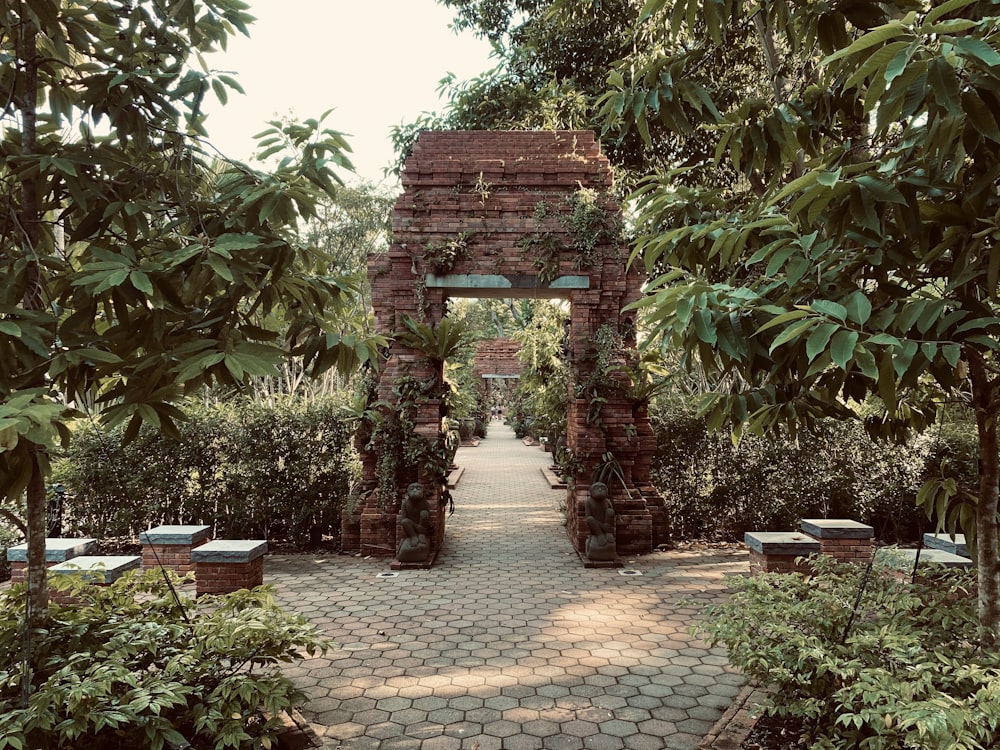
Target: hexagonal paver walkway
column 508, row 643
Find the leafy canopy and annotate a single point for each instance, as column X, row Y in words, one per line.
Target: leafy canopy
column 135, row 265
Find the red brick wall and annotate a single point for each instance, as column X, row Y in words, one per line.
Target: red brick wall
column 765, row 563
column 175, row 557
column 847, row 550
column 226, row 577
column 497, row 357
column 19, row 571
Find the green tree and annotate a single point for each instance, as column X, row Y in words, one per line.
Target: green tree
column 855, row 261
column 549, row 71
column 134, row 266
column 553, row 58
column 346, row 227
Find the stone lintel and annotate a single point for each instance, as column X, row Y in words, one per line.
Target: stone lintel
column 57, row 549
column 504, row 285
column 836, row 528
column 780, row 543
column 98, row 568
column 229, row 551
column 500, row 377
column 175, row 535
column 956, row 545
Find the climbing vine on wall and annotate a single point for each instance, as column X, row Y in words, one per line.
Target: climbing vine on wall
column 442, row 256
column 605, row 362
column 591, row 228
column 403, row 454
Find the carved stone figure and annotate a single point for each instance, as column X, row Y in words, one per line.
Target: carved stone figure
column 601, row 521
column 414, row 517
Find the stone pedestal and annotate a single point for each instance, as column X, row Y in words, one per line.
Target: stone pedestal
column 170, row 546
column 57, row 550
column 842, row 539
column 956, row 546
column 901, row 564
column 227, row 565
column 99, row 570
column 778, row 551
column 904, row 559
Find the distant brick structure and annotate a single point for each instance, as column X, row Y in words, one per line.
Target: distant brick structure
column 503, row 214
column 495, row 361
column 497, row 357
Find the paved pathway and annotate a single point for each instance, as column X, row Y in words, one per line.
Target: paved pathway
column 508, row 643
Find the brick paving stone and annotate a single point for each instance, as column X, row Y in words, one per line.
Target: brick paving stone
column 508, row 643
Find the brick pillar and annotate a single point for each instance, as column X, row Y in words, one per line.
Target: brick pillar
column 841, row 539
column 779, row 551
column 57, row 550
column 227, row 565
column 97, row 570
column 170, row 546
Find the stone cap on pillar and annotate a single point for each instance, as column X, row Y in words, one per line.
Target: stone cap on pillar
column 175, row 535
column 956, row 545
column 57, row 549
column 230, row 551
column 781, row 543
column 904, row 558
column 98, row 568
column 836, row 528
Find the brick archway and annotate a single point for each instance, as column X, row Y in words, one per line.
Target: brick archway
column 513, row 214
column 495, row 361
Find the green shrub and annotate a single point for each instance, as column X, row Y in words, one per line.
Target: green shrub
column 282, row 471
column 907, row 673
column 123, row 669
column 8, row 538
column 716, row 489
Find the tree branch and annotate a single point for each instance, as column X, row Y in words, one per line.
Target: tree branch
column 14, row 519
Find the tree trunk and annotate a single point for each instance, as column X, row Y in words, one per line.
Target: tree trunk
column 38, row 589
column 986, row 404
column 30, row 218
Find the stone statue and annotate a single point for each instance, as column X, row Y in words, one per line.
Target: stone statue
column 414, row 517
column 601, row 521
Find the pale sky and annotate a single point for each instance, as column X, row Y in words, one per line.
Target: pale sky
column 376, row 63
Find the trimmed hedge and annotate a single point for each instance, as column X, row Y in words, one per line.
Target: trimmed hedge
column 714, row 489
column 247, row 469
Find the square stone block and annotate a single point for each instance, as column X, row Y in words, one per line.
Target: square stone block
column 778, row 551
column 101, row 569
column 186, row 535
column 230, row 550
column 170, row 546
column 227, row 565
column 905, row 558
column 956, row 546
column 836, row 528
column 57, row 549
column 789, row 543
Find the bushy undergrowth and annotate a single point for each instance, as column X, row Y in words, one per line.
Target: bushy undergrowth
column 907, row 673
column 245, row 468
column 715, row 489
column 123, row 669
column 8, row 538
